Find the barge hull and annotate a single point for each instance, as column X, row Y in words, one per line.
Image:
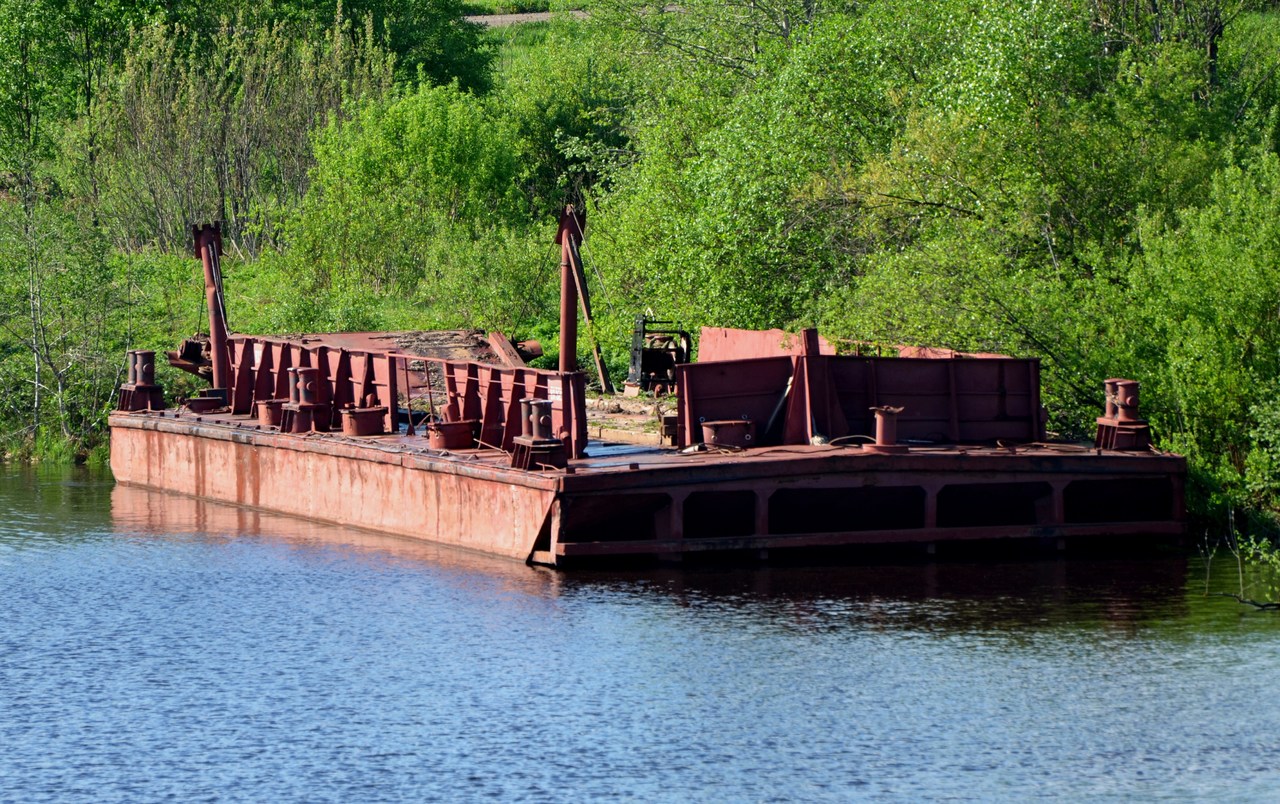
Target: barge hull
column 390, row 491
column 653, row 503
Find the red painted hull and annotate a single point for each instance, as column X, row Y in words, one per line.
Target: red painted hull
column 361, row 485
column 618, row 503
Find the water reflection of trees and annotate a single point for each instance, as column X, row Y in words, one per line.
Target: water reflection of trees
column 1118, row 596
column 52, row 504
column 1010, row 596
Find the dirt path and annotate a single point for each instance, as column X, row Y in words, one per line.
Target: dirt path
column 503, row 20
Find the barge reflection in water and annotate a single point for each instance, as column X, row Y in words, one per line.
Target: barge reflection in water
column 1132, row 587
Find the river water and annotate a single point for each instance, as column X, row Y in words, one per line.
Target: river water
column 153, row 647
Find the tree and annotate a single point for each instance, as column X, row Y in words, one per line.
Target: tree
column 1204, row 327
column 565, row 104
column 430, row 39
column 220, row 129
column 415, row 203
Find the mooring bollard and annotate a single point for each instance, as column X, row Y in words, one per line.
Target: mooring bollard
column 307, row 385
column 886, row 426
column 1120, row 428
column 145, row 362
column 1127, row 400
column 886, row 431
column 540, row 417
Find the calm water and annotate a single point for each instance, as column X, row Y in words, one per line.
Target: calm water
column 156, row 648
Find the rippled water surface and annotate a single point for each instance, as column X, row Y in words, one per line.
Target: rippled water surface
column 153, row 647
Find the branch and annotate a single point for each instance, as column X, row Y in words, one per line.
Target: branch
column 1254, row 603
column 922, row 202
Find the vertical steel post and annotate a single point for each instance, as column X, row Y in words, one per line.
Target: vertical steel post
column 208, row 247
column 408, row 398
column 568, row 295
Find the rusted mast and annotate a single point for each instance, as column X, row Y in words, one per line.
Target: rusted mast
column 568, row 293
column 571, row 224
column 208, row 247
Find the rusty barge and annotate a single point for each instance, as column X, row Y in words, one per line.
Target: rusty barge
column 777, row 445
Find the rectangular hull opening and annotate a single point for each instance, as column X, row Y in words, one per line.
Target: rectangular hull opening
column 845, row 510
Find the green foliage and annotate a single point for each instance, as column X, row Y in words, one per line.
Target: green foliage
column 994, row 225
column 218, row 127
column 61, row 331
column 431, row 39
column 504, row 279
column 717, row 210
column 1207, row 320
column 563, row 103
column 417, row 198
column 48, row 71
column 397, row 174
column 706, row 41
column 28, row 80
